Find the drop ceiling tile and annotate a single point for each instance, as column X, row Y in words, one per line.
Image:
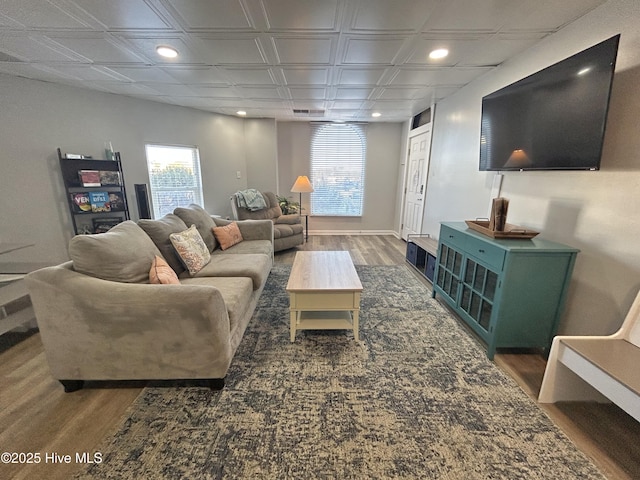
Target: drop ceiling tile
column 206, row 91
column 437, row 76
column 360, row 76
column 211, row 15
column 230, row 51
column 195, row 75
column 39, row 14
column 372, row 50
column 123, row 14
column 400, row 93
column 396, row 15
column 310, row 15
column 306, row 76
column 346, row 105
column 144, row 74
column 97, row 49
column 88, row 73
column 308, row 93
column 353, row 93
column 260, row 92
column 304, row 50
column 250, row 76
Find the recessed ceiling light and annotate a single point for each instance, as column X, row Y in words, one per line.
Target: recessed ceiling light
column 242, row 113
column 439, row 53
column 168, row 52
column 376, row 114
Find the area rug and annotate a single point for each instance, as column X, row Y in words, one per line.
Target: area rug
column 416, row 398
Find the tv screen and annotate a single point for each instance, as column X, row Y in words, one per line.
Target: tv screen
column 554, row 119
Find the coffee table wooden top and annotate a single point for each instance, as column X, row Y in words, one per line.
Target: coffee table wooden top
column 323, row 271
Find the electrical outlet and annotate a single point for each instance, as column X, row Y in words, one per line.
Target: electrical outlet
column 238, row 174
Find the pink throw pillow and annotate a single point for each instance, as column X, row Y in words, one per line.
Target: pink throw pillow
column 162, row 273
column 228, row 236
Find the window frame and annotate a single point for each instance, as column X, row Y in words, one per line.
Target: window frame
column 194, row 192
column 328, row 164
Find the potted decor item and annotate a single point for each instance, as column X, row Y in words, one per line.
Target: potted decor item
column 288, row 206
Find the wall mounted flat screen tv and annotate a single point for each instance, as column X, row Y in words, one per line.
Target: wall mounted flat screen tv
column 554, row 119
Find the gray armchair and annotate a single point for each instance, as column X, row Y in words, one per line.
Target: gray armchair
column 287, row 229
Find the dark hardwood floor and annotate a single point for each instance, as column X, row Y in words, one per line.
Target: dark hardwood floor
column 37, row 416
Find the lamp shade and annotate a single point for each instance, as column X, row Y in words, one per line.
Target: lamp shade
column 302, row 185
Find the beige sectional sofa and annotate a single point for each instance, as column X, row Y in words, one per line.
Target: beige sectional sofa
column 101, row 319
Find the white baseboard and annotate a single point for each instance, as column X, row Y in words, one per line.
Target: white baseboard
column 354, row 232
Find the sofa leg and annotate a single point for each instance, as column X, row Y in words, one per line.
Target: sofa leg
column 72, row 385
column 216, row 383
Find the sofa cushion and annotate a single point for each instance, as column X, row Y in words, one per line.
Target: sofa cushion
column 159, row 231
column 123, row 254
column 285, row 230
column 198, row 216
column 228, row 236
column 252, row 265
column 191, row 248
column 247, row 246
column 236, row 293
column 162, row 273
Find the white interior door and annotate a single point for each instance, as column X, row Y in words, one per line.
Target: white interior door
column 416, row 183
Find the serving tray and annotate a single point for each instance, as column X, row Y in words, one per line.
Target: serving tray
column 510, row 231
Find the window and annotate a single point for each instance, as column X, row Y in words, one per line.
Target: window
column 337, row 169
column 174, row 177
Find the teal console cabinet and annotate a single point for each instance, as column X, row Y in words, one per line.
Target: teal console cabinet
column 511, row 293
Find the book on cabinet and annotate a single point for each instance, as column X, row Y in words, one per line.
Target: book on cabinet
column 95, row 191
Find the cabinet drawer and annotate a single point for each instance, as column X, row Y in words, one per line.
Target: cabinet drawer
column 491, row 255
column 452, row 237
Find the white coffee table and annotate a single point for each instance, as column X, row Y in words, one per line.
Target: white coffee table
column 324, row 292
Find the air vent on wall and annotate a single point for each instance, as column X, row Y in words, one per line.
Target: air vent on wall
column 305, row 112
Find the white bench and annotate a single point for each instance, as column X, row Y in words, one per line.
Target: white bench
column 597, row 368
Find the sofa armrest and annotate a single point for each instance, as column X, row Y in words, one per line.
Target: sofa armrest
column 251, row 229
column 98, row 329
column 289, row 219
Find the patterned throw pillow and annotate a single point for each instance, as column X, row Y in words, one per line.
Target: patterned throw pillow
column 161, row 272
column 228, row 235
column 191, row 248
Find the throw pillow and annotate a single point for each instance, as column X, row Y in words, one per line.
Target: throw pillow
column 161, row 272
column 228, row 235
column 198, row 216
column 191, row 248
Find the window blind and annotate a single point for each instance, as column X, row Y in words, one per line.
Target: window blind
column 174, row 177
column 338, row 153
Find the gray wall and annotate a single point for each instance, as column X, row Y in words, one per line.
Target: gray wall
column 384, row 145
column 598, row 212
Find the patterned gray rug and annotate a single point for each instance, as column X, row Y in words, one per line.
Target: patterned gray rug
column 415, row 399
